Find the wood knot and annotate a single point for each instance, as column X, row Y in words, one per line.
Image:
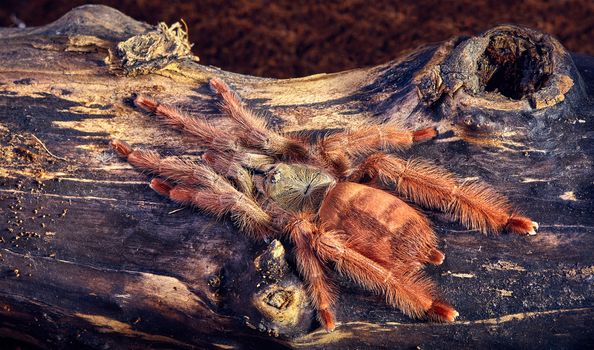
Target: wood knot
column 280, row 299
column 505, row 68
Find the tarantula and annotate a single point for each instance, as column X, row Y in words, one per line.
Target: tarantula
column 334, row 198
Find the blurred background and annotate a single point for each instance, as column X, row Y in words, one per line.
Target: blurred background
column 298, row 38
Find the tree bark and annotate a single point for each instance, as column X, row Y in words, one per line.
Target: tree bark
column 91, row 258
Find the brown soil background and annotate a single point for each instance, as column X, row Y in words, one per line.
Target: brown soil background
column 298, row 38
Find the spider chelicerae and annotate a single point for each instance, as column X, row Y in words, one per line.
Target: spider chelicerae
column 336, row 199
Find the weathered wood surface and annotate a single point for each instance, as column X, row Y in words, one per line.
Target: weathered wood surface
column 90, row 257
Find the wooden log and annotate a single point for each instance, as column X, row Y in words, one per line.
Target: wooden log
column 92, row 258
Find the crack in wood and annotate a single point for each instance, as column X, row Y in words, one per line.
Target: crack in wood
column 106, row 324
column 354, row 329
column 63, row 196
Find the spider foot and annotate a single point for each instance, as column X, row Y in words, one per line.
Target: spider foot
column 121, row 148
column 146, row 103
column 161, row 187
column 424, row 134
column 327, row 320
column 442, row 312
column 436, row 257
column 522, row 225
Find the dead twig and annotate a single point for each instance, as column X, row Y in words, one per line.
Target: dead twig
column 176, row 210
column 47, row 150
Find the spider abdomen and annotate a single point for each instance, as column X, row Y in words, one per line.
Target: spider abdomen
column 380, row 226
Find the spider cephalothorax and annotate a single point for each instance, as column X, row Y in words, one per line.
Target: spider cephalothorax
column 335, row 199
column 297, row 187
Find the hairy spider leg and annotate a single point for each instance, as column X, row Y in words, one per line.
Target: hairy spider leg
column 474, row 204
column 409, row 291
column 244, row 211
column 215, row 195
column 340, row 149
column 206, row 134
column 371, row 138
column 235, row 167
column 303, row 231
column 224, row 151
column 254, row 129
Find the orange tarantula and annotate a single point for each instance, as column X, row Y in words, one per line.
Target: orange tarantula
column 336, row 199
